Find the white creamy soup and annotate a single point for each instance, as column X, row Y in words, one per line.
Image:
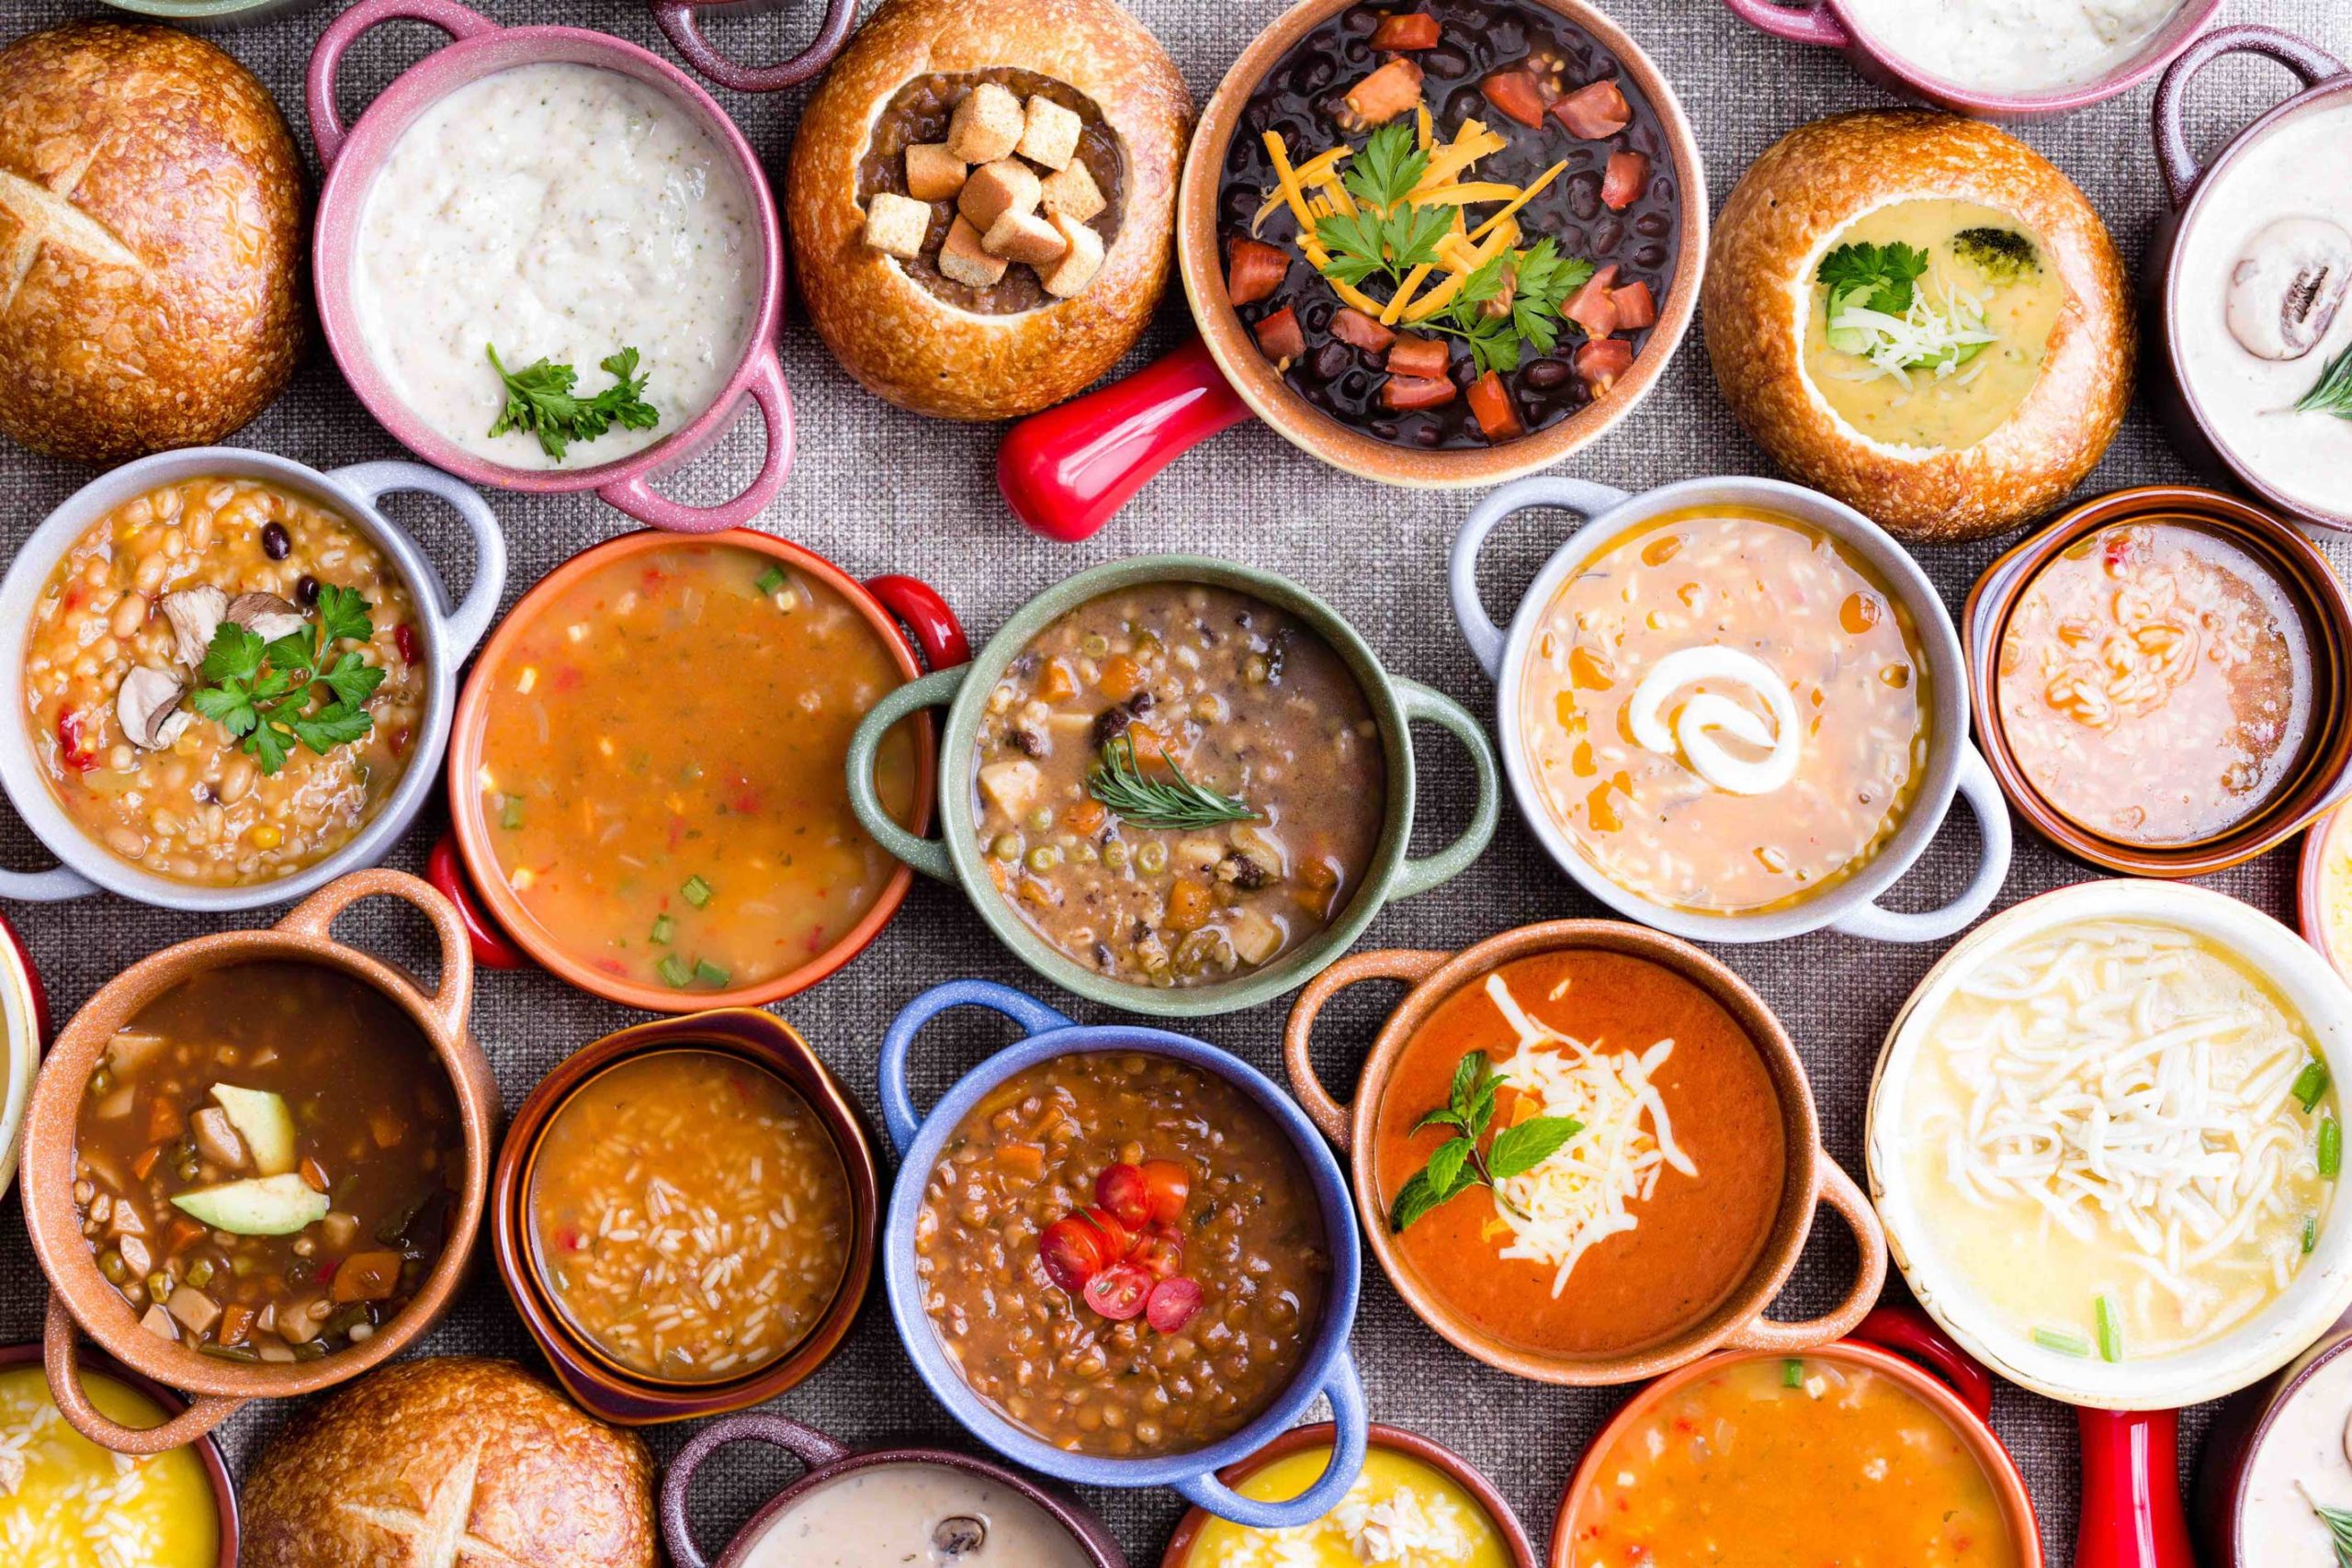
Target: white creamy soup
column 915, row 1516
column 561, row 212
column 2012, row 47
column 2259, row 314
column 2300, row 1467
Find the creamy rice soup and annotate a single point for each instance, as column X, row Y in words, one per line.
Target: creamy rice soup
column 560, row 213
column 2012, row 46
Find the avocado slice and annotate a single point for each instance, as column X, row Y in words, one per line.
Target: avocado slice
column 262, row 1205
column 261, row 1120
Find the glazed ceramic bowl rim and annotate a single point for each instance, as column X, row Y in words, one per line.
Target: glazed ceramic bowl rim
column 2260, row 1345
column 2274, row 1402
column 470, row 729
column 20, row 1048
column 2178, row 30
column 450, row 629
column 1354, row 451
column 352, row 172
column 2311, row 885
column 1324, row 1358
column 515, row 1252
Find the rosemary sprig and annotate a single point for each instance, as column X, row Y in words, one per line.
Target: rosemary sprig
column 1119, row 782
column 2334, row 393
column 2339, row 1529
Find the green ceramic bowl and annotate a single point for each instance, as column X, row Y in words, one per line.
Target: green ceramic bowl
column 203, row 13
column 1396, row 703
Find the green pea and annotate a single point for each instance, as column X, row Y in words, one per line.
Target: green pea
column 199, row 1273
column 1043, row 858
column 1041, row 819
column 1114, row 855
column 1152, row 858
column 1007, row 846
column 111, row 1265
column 159, row 1285
column 1255, row 669
column 1094, row 645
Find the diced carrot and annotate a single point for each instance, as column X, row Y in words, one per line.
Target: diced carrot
column 1351, row 325
column 367, row 1277
column 1024, row 1160
column 1188, row 905
column 235, row 1319
column 1490, row 402
column 1634, row 307
column 1057, row 684
column 1253, row 269
column 1280, row 336
column 1590, row 307
column 1594, row 111
column 1086, row 816
column 1623, row 181
column 1515, row 94
column 1150, row 746
column 1119, row 678
column 181, row 1232
column 163, row 1120
column 1602, row 360
column 144, row 1161
column 1388, row 92
column 1406, row 29
column 1410, row 356
column 1417, row 392
column 314, row 1175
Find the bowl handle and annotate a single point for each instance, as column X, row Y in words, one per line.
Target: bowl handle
column 679, row 23
column 899, row 1113
column 935, row 690
column 2131, row 1515
column 327, row 129
column 448, row 874
column 314, row 917
column 1982, row 792
column 39, row 993
column 1420, row 704
column 2311, row 65
column 205, row 1411
column 1345, row 1391
column 1809, row 24
column 767, row 390
column 1838, row 1189
column 1065, row 471
column 468, row 620
column 1411, row 965
column 1479, row 629
column 1916, row 1337
column 922, row 612
column 53, row 885
column 811, row 1448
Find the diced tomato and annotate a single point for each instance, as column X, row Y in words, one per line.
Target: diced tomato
column 1119, row 1293
column 1416, row 392
column 1594, row 111
column 1167, row 1185
column 1159, row 1252
column 1123, row 1190
column 568, row 1238
column 1602, row 360
column 1281, row 337
column 326, row 1272
column 1388, row 92
column 1072, row 1251
column 1634, row 307
column 1490, row 402
column 77, row 747
column 1591, row 308
column 1410, row 356
column 1117, row 1235
column 404, row 638
column 1515, row 94
column 1406, row 29
column 1173, row 1303
column 1253, row 269
column 1623, row 181
column 1351, row 325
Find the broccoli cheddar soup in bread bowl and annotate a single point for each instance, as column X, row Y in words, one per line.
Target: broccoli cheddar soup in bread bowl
column 1919, row 315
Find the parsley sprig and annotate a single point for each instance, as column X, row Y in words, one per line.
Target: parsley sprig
column 1877, row 277
column 539, row 400
column 262, row 690
column 1540, row 283
column 1457, row 1164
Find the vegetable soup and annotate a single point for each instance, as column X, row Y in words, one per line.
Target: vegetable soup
column 661, row 767
column 1763, row 1462
column 66, row 1503
column 1629, row 1163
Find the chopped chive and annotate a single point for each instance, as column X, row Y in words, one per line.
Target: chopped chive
column 2110, row 1331
column 664, row 928
column 2311, row 1232
column 674, row 971
column 710, row 974
column 2063, row 1343
column 509, row 816
column 1792, row 1373
column 2310, row 1084
column 2331, row 1147
column 697, row 892
column 770, row 580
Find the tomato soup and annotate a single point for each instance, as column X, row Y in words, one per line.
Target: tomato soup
column 1769, row 1463
column 1638, row 1224
column 661, row 767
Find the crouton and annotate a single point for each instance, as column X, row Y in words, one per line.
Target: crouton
column 1050, row 134
column 1078, row 265
column 1072, row 191
column 1006, row 185
column 897, row 224
column 962, row 259
column 933, row 174
column 987, row 125
column 1025, row 237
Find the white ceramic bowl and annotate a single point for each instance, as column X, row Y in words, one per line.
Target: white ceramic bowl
column 24, row 1029
column 2276, row 1334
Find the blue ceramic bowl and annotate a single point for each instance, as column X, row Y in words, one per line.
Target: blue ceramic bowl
column 1328, row 1369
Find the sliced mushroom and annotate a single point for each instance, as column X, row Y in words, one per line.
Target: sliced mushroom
column 2285, row 290
column 958, row 1535
column 265, row 616
column 148, row 708
column 195, row 614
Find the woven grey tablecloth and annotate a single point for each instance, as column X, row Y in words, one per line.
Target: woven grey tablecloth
column 881, row 490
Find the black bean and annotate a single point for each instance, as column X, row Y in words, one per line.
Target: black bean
column 276, row 543
column 1653, row 225
column 1444, row 60
column 1650, row 256
column 1330, row 361
column 1607, row 235
column 1428, row 434
column 1584, row 194
column 1464, row 371
column 306, row 592
column 1545, row 374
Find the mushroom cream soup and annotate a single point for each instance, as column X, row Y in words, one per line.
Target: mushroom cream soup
column 1927, row 323
column 2298, row 1464
column 2120, row 1138
column 2021, row 47
column 2257, row 322
column 914, row 1516
column 558, row 212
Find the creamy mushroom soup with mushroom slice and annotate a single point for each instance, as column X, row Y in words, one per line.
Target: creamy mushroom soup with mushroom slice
column 2013, row 47
column 914, row 1516
column 2297, row 1468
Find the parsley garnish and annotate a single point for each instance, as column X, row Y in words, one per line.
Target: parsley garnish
column 539, row 400
column 2334, row 392
column 1457, row 1164
column 259, row 691
column 1877, row 277
column 1541, row 282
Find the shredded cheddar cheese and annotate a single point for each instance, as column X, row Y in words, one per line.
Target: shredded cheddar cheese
column 1522, row 199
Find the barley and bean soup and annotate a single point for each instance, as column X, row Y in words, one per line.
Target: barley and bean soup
column 1177, row 783
column 268, row 1160
column 1123, row 1254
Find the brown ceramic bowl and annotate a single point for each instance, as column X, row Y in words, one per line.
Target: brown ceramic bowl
column 1814, row 1178
column 2332, row 834
column 79, row 1295
column 207, row 1453
column 601, row 1386
column 2324, row 774
column 1397, row 1440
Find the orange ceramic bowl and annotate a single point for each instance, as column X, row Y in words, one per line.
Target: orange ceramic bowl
column 506, row 935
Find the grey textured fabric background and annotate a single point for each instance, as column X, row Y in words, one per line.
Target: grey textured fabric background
column 881, row 490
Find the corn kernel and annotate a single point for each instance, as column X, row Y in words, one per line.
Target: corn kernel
column 266, row 837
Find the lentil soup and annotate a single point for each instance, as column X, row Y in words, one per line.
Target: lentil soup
column 1162, row 1316
column 1178, row 782
column 115, row 673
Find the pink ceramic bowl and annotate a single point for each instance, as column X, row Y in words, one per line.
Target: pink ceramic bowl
column 1829, row 24
column 681, row 23
column 354, row 157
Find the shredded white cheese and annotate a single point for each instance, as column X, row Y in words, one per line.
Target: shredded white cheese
column 1926, row 339
column 1391, row 1526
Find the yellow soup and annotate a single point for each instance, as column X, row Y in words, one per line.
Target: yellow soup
column 1796, row 1463
column 662, row 773
column 1399, row 1511
column 66, row 1503
column 2334, row 916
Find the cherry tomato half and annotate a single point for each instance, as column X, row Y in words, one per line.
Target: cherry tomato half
column 1117, row 1238
column 1168, row 1185
column 1123, row 1190
column 1119, row 1291
column 1160, row 1251
column 1073, row 1252
column 1173, row 1303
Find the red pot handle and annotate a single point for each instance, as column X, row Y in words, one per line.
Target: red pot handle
column 448, row 874
column 32, row 983
column 918, row 606
column 327, row 129
column 1065, row 471
column 2132, row 1515
column 1913, row 1335
column 678, row 21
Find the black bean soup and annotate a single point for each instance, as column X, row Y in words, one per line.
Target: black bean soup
column 1480, row 64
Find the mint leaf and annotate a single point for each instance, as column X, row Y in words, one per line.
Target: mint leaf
column 1443, row 1116
column 1470, row 1076
column 1520, row 1149
column 1446, row 1162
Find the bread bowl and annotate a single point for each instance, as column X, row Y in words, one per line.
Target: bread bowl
column 2012, row 383
column 449, row 1452
column 963, row 330
column 150, row 228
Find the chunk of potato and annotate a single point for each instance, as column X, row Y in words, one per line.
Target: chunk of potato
column 1011, row 786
